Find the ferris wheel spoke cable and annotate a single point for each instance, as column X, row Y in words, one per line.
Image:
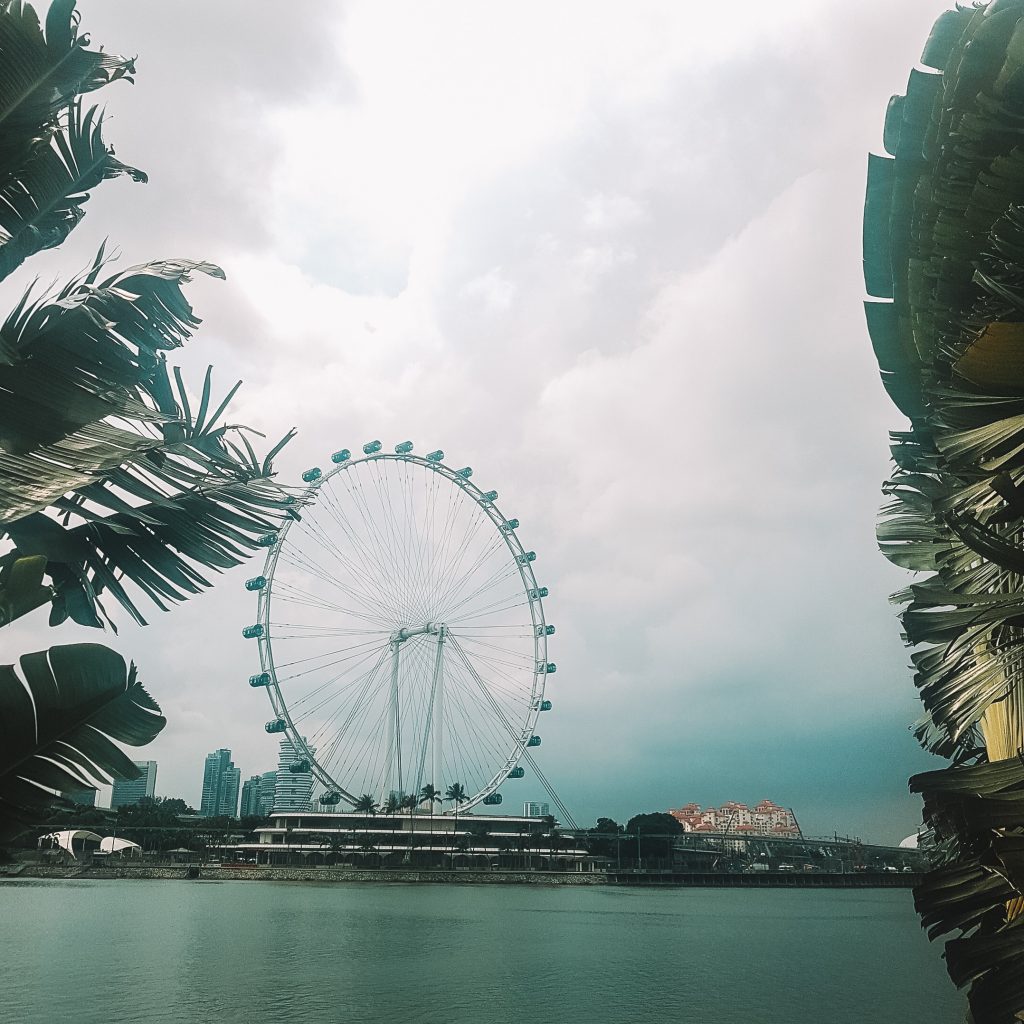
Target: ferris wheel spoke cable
column 319, row 604
column 368, row 591
column 475, row 751
column 284, row 591
column 389, row 516
column 416, row 516
column 306, row 564
column 404, row 525
column 361, row 560
column 496, row 670
column 478, row 642
column 341, row 691
column 377, row 566
column 451, row 579
column 311, row 533
column 555, row 799
column 350, row 652
column 387, row 548
column 447, row 533
column 498, row 607
column 357, row 714
column 503, row 571
column 465, row 607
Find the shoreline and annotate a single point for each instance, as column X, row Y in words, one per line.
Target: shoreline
column 332, row 875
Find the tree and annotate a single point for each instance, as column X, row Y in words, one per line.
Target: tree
column 409, row 803
column 456, row 795
column 392, row 806
column 112, row 487
column 429, row 796
column 366, row 805
column 944, row 260
column 654, row 832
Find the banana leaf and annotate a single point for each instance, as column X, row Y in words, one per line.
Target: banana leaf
column 58, row 724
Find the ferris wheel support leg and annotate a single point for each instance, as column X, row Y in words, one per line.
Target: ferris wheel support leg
column 393, row 776
column 437, row 712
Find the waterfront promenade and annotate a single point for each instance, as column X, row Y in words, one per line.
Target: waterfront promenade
column 466, row 876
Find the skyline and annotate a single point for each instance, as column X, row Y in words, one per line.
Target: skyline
column 620, row 279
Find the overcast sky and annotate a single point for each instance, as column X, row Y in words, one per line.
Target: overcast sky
column 612, row 262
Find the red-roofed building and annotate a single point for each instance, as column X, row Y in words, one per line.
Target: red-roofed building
column 766, row 818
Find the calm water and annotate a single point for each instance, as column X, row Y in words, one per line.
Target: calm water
column 249, row 953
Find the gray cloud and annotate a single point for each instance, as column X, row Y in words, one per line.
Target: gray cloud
column 626, row 289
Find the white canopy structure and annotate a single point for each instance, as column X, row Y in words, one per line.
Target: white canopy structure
column 66, row 839
column 111, row 844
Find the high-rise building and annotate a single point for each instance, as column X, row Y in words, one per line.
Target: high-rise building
column 220, row 785
column 250, row 797
column 268, row 786
column 532, row 809
column 131, row 791
column 293, row 788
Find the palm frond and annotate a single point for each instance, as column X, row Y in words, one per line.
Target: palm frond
column 40, row 206
column 40, row 75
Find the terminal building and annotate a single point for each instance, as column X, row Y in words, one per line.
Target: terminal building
column 412, row 840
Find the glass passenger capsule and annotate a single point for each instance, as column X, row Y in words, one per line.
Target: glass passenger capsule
column 277, row 725
column 404, row 448
column 268, row 540
column 529, row 556
column 533, row 741
column 371, row 446
column 466, row 472
column 490, row 496
column 263, row 679
column 509, row 525
column 551, row 668
column 312, row 474
column 545, row 705
column 256, row 583
column 299, row 766
column 437, row 456
column 343, row 456
column 251, row 632
column 545, row 631
column 516, row 773
column 331, row 798
column 492, row 799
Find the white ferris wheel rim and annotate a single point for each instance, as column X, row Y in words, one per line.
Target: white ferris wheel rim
column 520, row 733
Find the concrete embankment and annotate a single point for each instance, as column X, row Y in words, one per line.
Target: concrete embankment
column 213, row 872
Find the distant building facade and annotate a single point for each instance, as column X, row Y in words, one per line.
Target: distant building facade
column 268, row 787
column 763, row 819
column 292, row 789
column 250, row 802
column 532, row 809
column 220, row 785
column 131, row 791
column 85, row 797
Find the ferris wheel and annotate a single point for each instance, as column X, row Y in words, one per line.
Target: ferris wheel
column 401, row 632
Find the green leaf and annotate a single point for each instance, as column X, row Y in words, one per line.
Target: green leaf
column 43, row 204
column 21, row 585
column 58, row 721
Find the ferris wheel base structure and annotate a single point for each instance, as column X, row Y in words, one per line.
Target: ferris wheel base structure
column 402, row 635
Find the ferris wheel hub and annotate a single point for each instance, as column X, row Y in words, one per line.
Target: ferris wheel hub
column 407, row 632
